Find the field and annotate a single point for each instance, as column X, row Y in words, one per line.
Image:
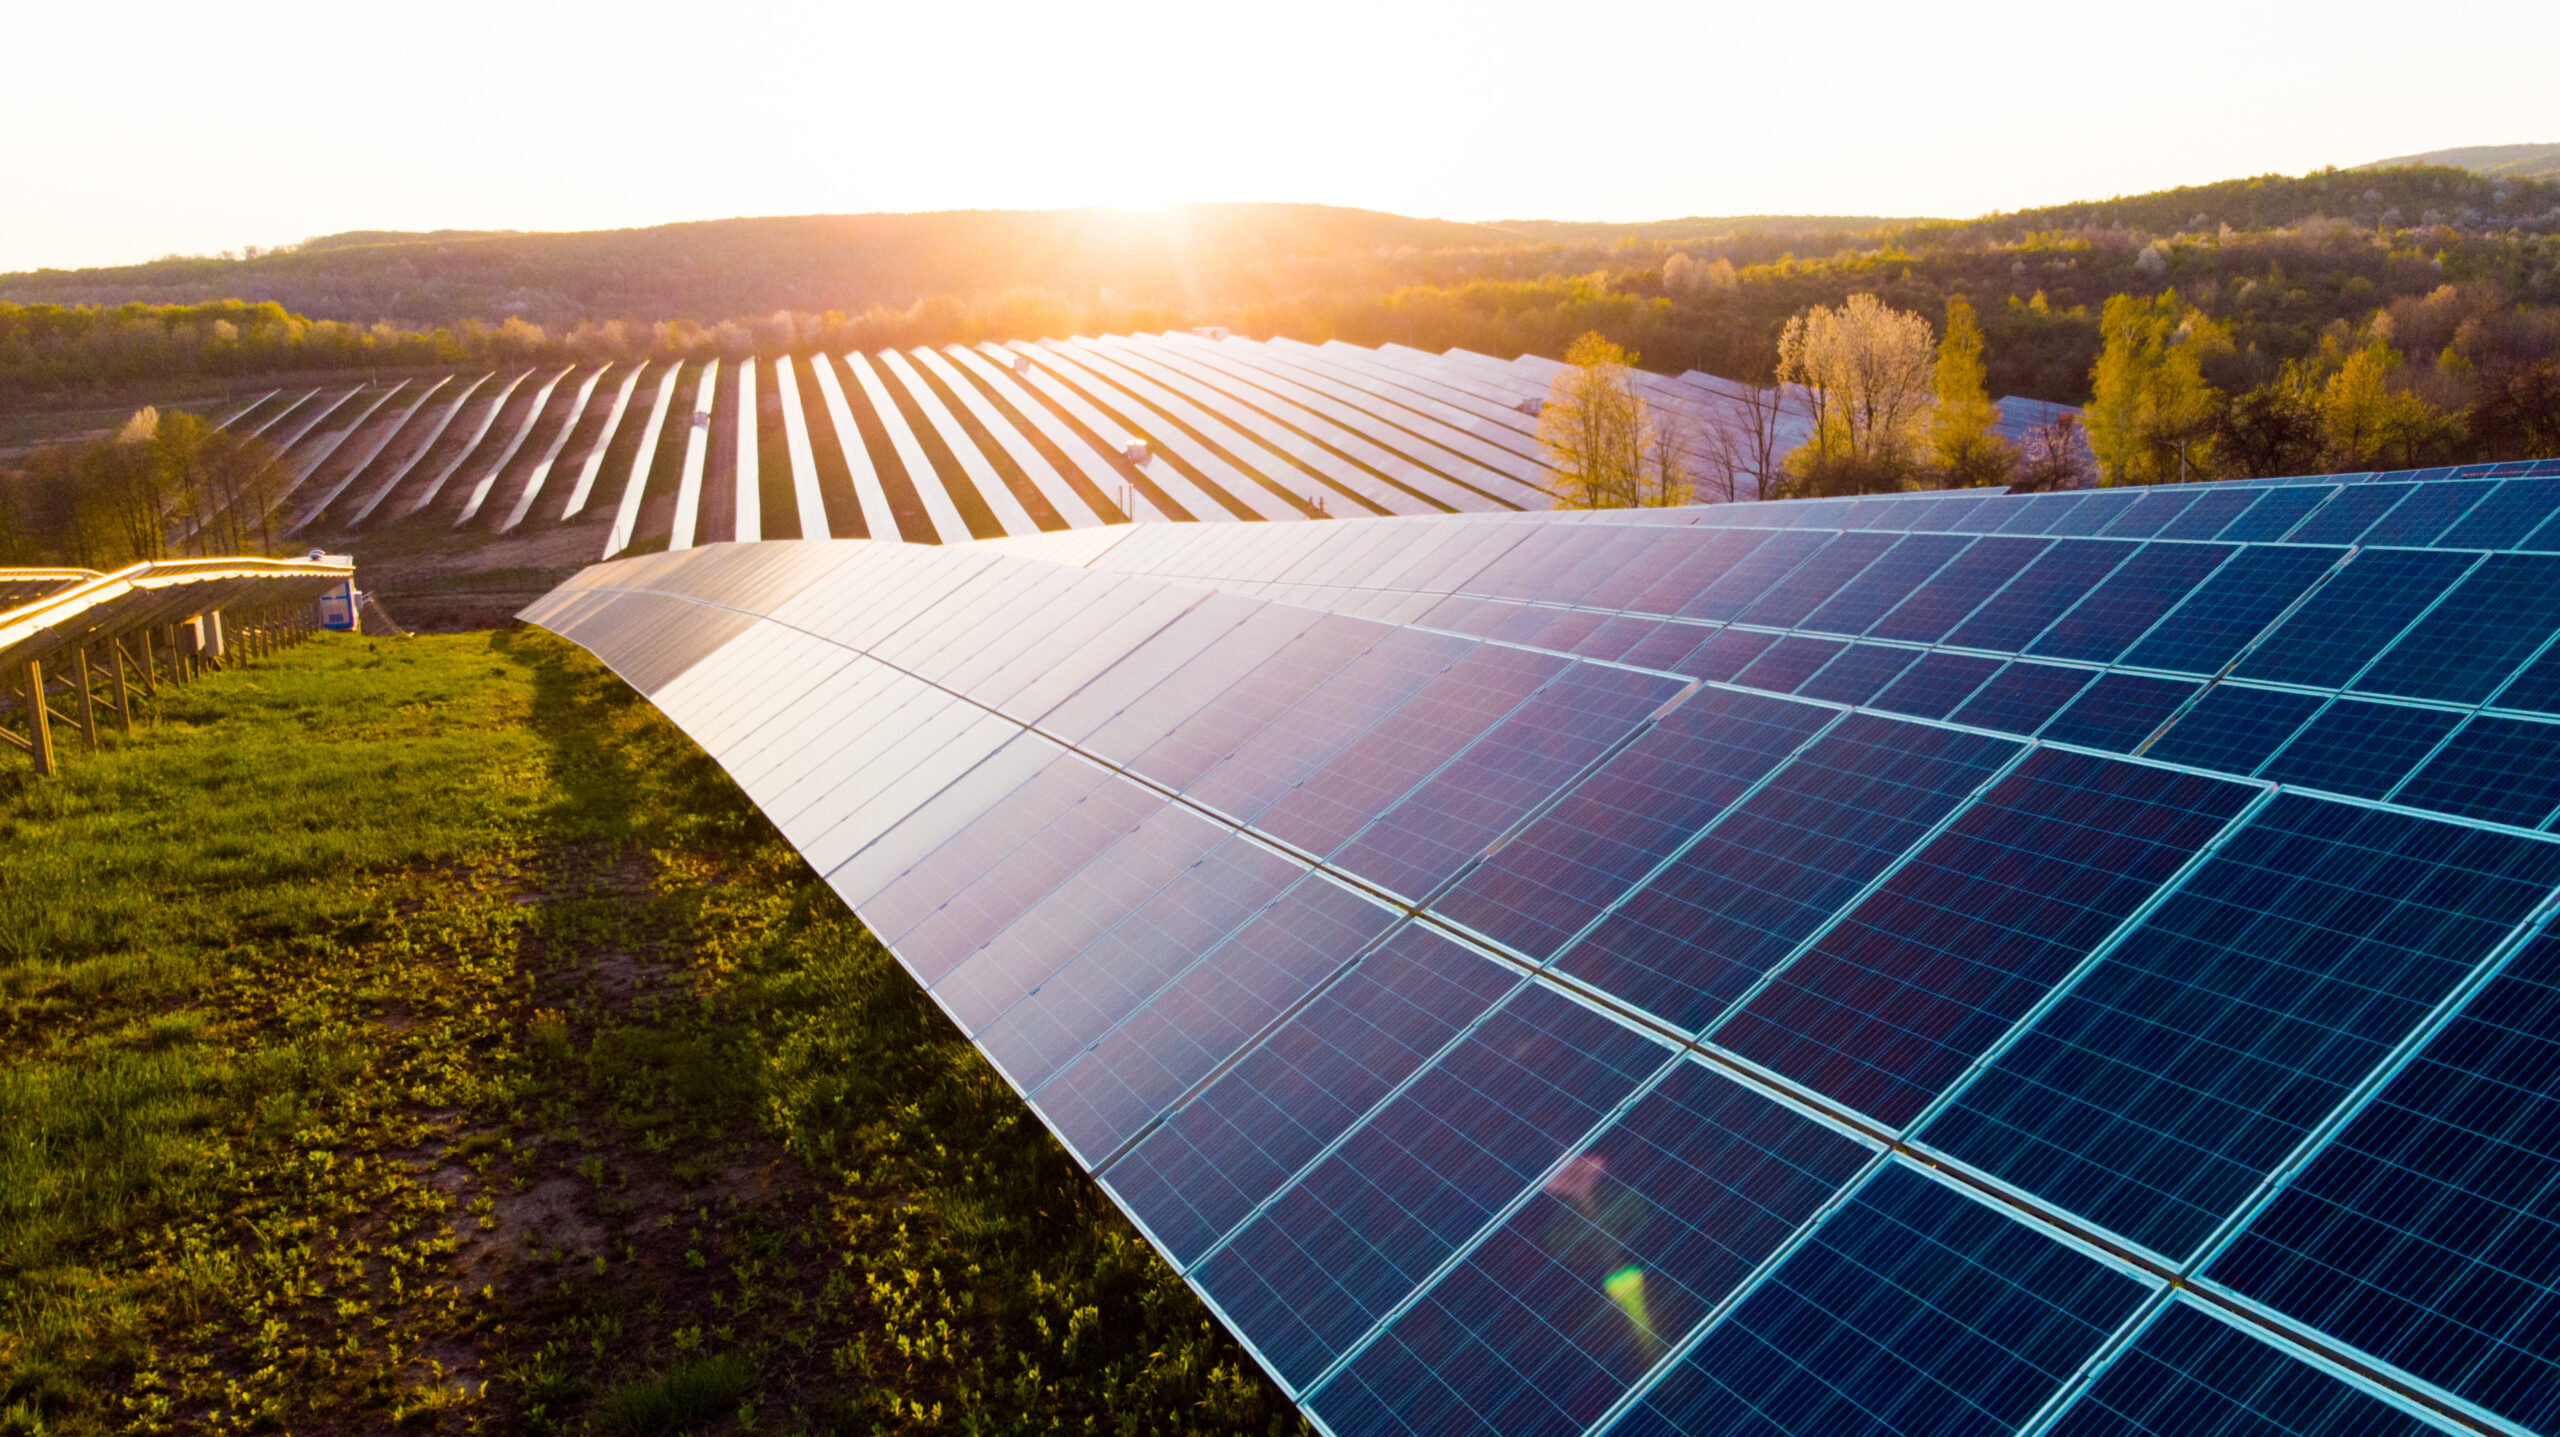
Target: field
column 422, row 1033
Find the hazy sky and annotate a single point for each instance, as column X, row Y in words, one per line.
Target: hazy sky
column 144, row 129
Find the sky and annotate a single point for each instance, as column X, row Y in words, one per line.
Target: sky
column 147, row 129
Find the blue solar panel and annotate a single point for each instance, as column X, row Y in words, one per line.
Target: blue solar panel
column 1517, row 765
column 1111, row 1091
column 2425, row 512
column 1858, row 674
column 2214, row 510
column 1936, row 686
column 1881, row 585
column 1361, row 1229
column 2507, row 517
column 1911, row 1310
column 1789, row 662
column 2274, row 515
column 2500, row 769
column 2235, row 728
column 2463, row 649
column 1939, row 605
column 2360, row 748
column 1283, row 920
column 2122, row 609
column 2228, row 610
column 2198, row 1052
column 2022, row 697
column 2346, row 517
column 2159, row 508
column 1769, row 873
column 1747, row 580
column 1622, row 1249
column 2040, row 594
column 1728, row 653
column 2427, row 1233
column 1816, row 580
column 2189, row 1375
column 1340, row 795
column 2354, row 616
column 1611, row 829
column 1919, row 979
column 1218, row 1156
column 2119, row 711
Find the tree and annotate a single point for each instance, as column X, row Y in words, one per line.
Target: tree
column 2367, row 421
column 1742, row 442
column 1963, row 444
column 1593, row 428
column 1666, row 464
column 1865, row 371
column 2152, row 417
column 2270, row 431
column 2519, row 411
column 2055, row 456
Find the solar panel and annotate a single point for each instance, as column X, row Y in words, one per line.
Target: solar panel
column 1983, row 963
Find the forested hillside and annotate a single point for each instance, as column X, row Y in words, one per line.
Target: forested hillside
column 2466, row 268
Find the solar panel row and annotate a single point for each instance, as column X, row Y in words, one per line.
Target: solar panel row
column 1777, row 968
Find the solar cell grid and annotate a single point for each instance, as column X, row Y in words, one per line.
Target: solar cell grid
column 1193, row 1178
column 2349, row 513
column 1815, row 580
column 1519, row 763
column 2234, row 728
column 1716, row 658
column 2023, row 697
column 1937, row 685
column 1857, row 674
column 1865, row 598
column 2274, row 515
column 2158, row 507
column 2189, row 1375
column 1446, row 714
column 2102, row 508
column 1892, row 1003
column 2361, row 748
column 1111, row 1091
column 1769, row 873
column 1623, row 1248
column 2427, row 1232
column 1358, row 1232
column 2185, row 1066
column 2225, row 612
column 1613, row 827
column 1735, row 590
column 2119, row 711
column 2120, row 610
column 2040, row 594
column 2499, row 769
column 1911, row 1310
column 1955, row 591
column 2354, row 616
column 2213, row 511
column 1269, row 735
column 2505, row 517
column 2425, row 512
column 1789, row 662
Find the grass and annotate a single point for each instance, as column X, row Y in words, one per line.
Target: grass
column 422, row 1034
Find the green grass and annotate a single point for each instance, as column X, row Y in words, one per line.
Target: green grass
column 424, row 1033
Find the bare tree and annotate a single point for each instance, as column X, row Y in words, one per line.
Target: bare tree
column 2054, row 456
column 1741, row 451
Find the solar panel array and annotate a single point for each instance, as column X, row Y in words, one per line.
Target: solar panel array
column 1925, row 964
column 941, row 445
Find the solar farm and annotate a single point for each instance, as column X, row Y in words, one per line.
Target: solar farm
column 941, row 446
column 2071, row 963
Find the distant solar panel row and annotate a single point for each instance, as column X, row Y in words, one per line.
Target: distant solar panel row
column 1855, row 966
column 943, row 445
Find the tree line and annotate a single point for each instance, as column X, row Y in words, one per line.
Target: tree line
column 164, row 485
